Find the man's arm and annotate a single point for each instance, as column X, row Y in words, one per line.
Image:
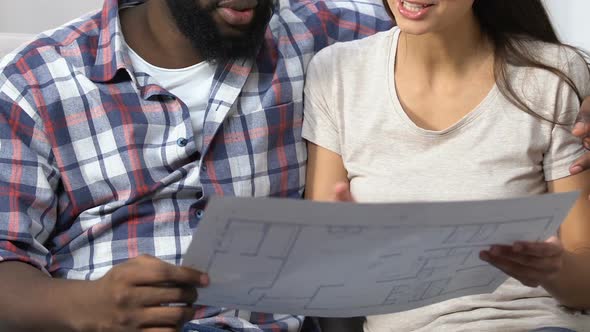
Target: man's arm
column 340, row 21
column 128, row 298
column 26, row 299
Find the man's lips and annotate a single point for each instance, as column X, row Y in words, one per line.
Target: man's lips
column 239, row 5
column 237, row 12
column 236, row 17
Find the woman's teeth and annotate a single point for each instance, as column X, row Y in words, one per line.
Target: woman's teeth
column 413, row 6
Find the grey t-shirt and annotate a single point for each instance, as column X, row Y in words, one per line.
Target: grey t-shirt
column 495, row 151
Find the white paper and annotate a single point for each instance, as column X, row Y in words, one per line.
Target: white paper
column 343, row 260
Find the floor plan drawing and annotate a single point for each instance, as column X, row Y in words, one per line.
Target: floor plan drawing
column 317, row 263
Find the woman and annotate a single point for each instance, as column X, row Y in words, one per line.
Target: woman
column 465, row 99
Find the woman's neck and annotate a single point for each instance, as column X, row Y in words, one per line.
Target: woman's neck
column 452, row 51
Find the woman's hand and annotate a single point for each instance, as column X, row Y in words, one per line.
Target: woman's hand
column 531, row 263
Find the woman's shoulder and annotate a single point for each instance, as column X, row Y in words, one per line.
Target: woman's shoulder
column 570, row 60
column 550, row 67
column 551, row 80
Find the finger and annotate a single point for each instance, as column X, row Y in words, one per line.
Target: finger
column 581, row 164
column 501, row 250
column 155, row 296
column 527, row 276
column 160, row 329
column 582, row 130
column 165, row 316
column 582, row 127
column 550, row 265
column 342, row 192
column 147, row 271
column 519, row 253
column 538, row 249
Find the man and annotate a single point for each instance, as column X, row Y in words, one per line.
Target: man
column 114, row 128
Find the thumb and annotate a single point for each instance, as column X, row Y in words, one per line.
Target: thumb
column 342, row 193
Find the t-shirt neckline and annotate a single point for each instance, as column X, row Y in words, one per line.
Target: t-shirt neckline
column 475, row 113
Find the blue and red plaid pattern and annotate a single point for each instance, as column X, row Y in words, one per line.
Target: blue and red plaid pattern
column 98, row 162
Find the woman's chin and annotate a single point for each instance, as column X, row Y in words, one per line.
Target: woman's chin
column 415, row 30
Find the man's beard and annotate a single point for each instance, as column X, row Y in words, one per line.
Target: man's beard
column 196, row 23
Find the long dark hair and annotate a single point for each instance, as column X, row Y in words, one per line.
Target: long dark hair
column 510, row 25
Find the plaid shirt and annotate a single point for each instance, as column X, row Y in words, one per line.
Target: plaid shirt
column 98, row 162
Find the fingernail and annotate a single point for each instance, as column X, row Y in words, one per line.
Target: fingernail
column 495, row 251
column 484, row 256
column 204, row 279
column 576, row 169
column 579, row 126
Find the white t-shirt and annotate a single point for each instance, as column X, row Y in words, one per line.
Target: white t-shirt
column 495, row 151
column 192, row 85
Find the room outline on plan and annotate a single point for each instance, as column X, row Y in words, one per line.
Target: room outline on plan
column 404, row 273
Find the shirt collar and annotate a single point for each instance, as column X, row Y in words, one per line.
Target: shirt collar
column 111, row 54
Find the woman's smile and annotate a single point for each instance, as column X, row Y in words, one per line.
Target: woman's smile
column 414, row 10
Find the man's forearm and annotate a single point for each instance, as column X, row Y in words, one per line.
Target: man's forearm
column 572, row 288
column 31, row 301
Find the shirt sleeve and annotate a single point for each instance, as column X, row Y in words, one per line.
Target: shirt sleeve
column 320, row 125
column 27, row 182
column 565, row 148
column 339, row 21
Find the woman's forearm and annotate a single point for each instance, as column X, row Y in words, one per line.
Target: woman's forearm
column 572, row 286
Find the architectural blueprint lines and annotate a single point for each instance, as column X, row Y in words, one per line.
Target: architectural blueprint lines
column 312, row 265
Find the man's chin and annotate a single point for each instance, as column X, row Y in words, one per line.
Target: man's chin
column 226, row 30
column 229, row 32
column 237, row 42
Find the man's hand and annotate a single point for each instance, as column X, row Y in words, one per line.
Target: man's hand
column 135, row 296
column 531, row 263
column 582, row 130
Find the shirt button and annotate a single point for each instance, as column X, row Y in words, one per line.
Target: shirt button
column 182, row 142
column 204, row 168
column 200, row 214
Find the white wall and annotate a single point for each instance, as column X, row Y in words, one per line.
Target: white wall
column 571, row 17
column 34, row 16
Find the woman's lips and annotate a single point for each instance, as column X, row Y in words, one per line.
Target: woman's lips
column 413, row 10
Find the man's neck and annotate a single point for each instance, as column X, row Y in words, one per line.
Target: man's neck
column 452, row 51
column 150, row 31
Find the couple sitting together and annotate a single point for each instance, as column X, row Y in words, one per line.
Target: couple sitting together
column 114, row 128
